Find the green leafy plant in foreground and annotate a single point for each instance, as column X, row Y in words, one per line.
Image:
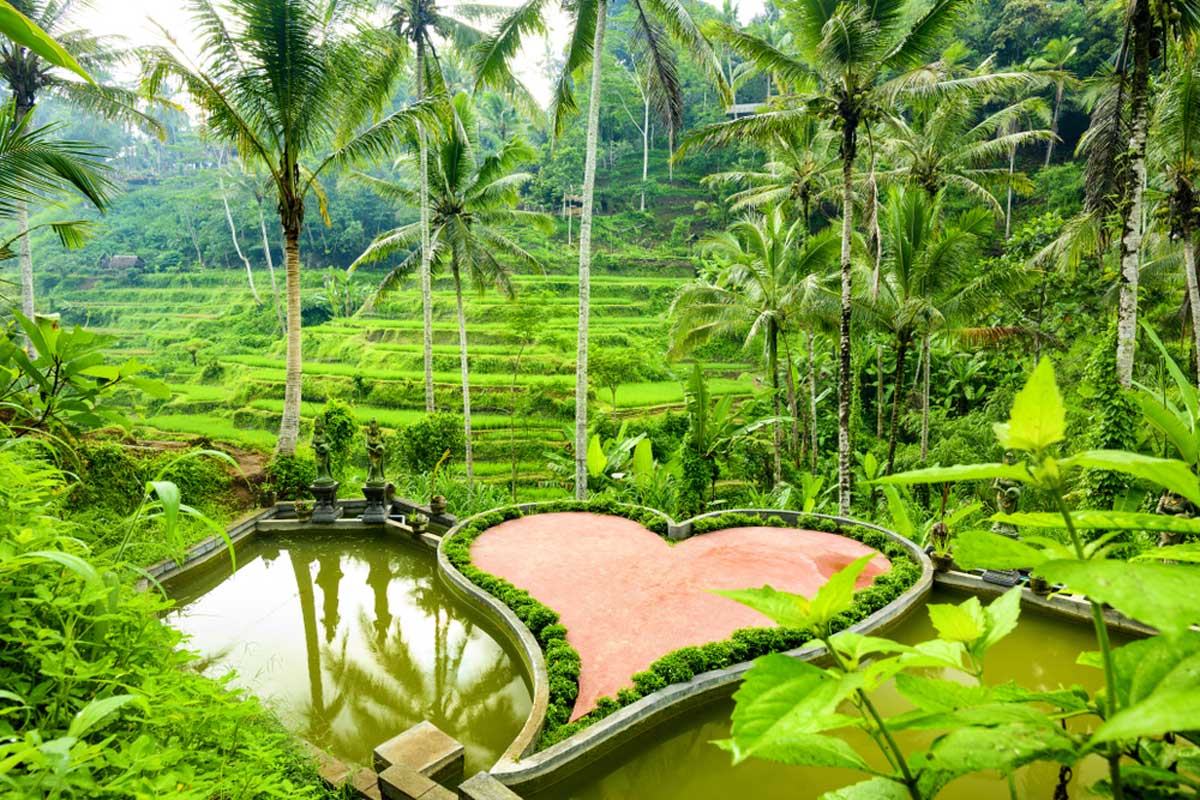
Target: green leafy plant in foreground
column 1141, row 722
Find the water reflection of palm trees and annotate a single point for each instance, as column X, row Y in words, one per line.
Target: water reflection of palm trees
column 389, row 683
column 319, row 716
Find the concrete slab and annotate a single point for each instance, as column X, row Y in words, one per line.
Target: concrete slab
column 483, row 786
column 425, row 749
column 399, row 782
column 366, row 783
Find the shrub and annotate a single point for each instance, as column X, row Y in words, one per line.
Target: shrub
column 290, row 476
column 420, row 445
column 341, row 429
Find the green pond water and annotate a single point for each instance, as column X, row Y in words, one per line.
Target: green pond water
column 353, row 639
column 677, row 762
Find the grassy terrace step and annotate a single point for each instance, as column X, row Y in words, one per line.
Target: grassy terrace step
column 216, row 428
column 274, row 371
column 390, row 417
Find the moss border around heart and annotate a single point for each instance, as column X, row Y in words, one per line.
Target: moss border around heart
column 677, row 666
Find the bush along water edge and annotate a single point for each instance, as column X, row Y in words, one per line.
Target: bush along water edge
column 681, row 665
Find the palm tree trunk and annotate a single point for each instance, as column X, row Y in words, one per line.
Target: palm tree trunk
column 466, row 383
column 1131, row 239
column 585, row 258
column 878, row 391
column 645, row 145
column 777, row 426
column 812, row 397
column 426, row 247
column 262, row 225
column 24, row 251
column 793, row 410
column 237, row 246
column 1012, row 166
column 1193, row 290
column 1058, row 96
column 897, row 393
column 925, row 359
column 849, row 142
column 289, row 427
column 512, row 436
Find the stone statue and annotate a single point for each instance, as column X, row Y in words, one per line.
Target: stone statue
column 1008, row 499
column 1173, row 505
column 322, row 451
column 375, row 475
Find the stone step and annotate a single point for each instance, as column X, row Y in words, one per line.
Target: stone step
column 425, row 749
column 398, row 782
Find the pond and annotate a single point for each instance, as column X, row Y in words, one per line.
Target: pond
column 676, row 761
column 352, row 639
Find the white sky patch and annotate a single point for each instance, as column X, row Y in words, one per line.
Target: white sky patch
column 132, row 19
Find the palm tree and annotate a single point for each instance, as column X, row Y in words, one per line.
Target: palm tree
column 419, row 23
column 952, row 143
column 1175, row 143
column 470, row 202
column 30, row 74
column 928, row 278
column 770, row 285
column 34, row 166
column 1147, row 25
column 850, row 79
column 800, row 173
column 282, row 81
column 1055, row 56
column 492, row 65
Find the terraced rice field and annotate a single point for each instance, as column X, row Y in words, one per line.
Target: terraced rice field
column 176, row 323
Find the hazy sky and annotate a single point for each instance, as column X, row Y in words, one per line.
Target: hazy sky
column 132, row 19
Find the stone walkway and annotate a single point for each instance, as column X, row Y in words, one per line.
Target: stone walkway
column 628, row 597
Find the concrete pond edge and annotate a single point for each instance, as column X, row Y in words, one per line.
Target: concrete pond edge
column 523, row 769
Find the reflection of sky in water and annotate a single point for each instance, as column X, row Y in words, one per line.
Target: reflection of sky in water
column 677, row 760
column 367, row 615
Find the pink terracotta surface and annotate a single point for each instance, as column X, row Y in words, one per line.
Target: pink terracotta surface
column 628, row 597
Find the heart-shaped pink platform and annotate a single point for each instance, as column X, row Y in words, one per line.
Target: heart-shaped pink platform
column 628, row 597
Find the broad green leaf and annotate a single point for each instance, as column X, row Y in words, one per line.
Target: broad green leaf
column 805, row 750
column 782, row 698
column 901, row 520
column 937, row 694
column 1187, row 389
column 596, row 460
column 1164, row 596
column 1170, row 424
column 986, row 550
column 1168, row 473
column 96, row 712
column 17, row 27
column 855, row 646
column 959, row 472
column 1186, row 553
column 784, row 608
column 168, row 494
column 643, row 461
column 958, row 623
column 1002, row 748
column 837, row 594
column 874, row 789
column 1146, row 666
column 69, row 560
column 1038, row 418
column 1104, row 520
column 1161, row 712
column 1002, row 615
